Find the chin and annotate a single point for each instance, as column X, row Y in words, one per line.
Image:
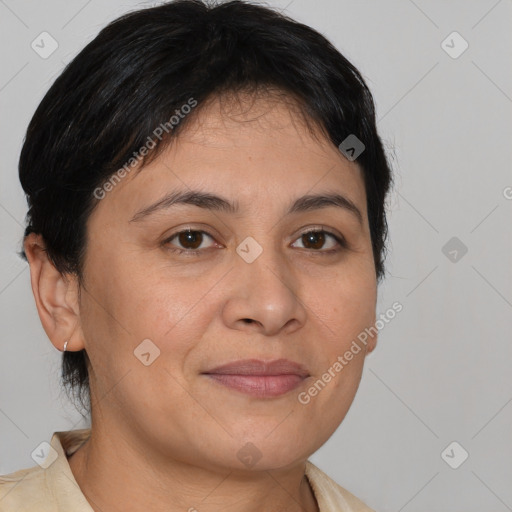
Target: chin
column 273, row 446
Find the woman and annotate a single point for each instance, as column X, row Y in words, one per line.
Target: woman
column 205, row 234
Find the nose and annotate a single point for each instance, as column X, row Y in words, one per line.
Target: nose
column 263, row 296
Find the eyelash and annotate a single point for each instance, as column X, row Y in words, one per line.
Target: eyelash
column 197, row 252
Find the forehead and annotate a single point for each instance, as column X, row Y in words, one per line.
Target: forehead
column 252, row 120
column 249, row 149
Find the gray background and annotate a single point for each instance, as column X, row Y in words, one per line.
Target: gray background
column 441, row 371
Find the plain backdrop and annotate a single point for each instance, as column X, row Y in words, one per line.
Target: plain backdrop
column 441, row 371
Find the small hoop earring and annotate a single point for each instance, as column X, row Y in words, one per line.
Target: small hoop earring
column 65, row 346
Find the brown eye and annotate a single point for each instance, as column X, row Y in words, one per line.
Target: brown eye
column 188, row 241
column 316, row 240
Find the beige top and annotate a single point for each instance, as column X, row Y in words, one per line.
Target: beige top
column 51, row 486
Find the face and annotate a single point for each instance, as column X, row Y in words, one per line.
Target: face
column 257, row 280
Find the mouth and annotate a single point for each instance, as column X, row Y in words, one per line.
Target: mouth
column 259, row 378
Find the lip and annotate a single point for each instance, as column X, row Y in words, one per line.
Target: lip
column 262, row 379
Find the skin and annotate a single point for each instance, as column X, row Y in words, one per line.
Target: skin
column 164, row 436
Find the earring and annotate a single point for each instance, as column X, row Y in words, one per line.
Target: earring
column 65, row 346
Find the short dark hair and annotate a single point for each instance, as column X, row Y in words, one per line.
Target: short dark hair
column 144, row 66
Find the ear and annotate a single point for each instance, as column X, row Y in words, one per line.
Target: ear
column 371, row 343
column 56, row 296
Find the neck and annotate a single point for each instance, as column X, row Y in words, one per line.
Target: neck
column 115, row 475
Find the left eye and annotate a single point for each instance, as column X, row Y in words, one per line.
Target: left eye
column 316, row 240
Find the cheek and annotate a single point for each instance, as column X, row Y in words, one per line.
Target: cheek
column 346, row 307
column 171, row 311
column 342, row 316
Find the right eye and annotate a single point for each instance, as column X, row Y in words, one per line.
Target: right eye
column 190, row 240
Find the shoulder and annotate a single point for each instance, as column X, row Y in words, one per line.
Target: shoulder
column 49, row 486
column 330, row 496
column 25, row 489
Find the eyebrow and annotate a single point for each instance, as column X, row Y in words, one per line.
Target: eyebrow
column 216, row 203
